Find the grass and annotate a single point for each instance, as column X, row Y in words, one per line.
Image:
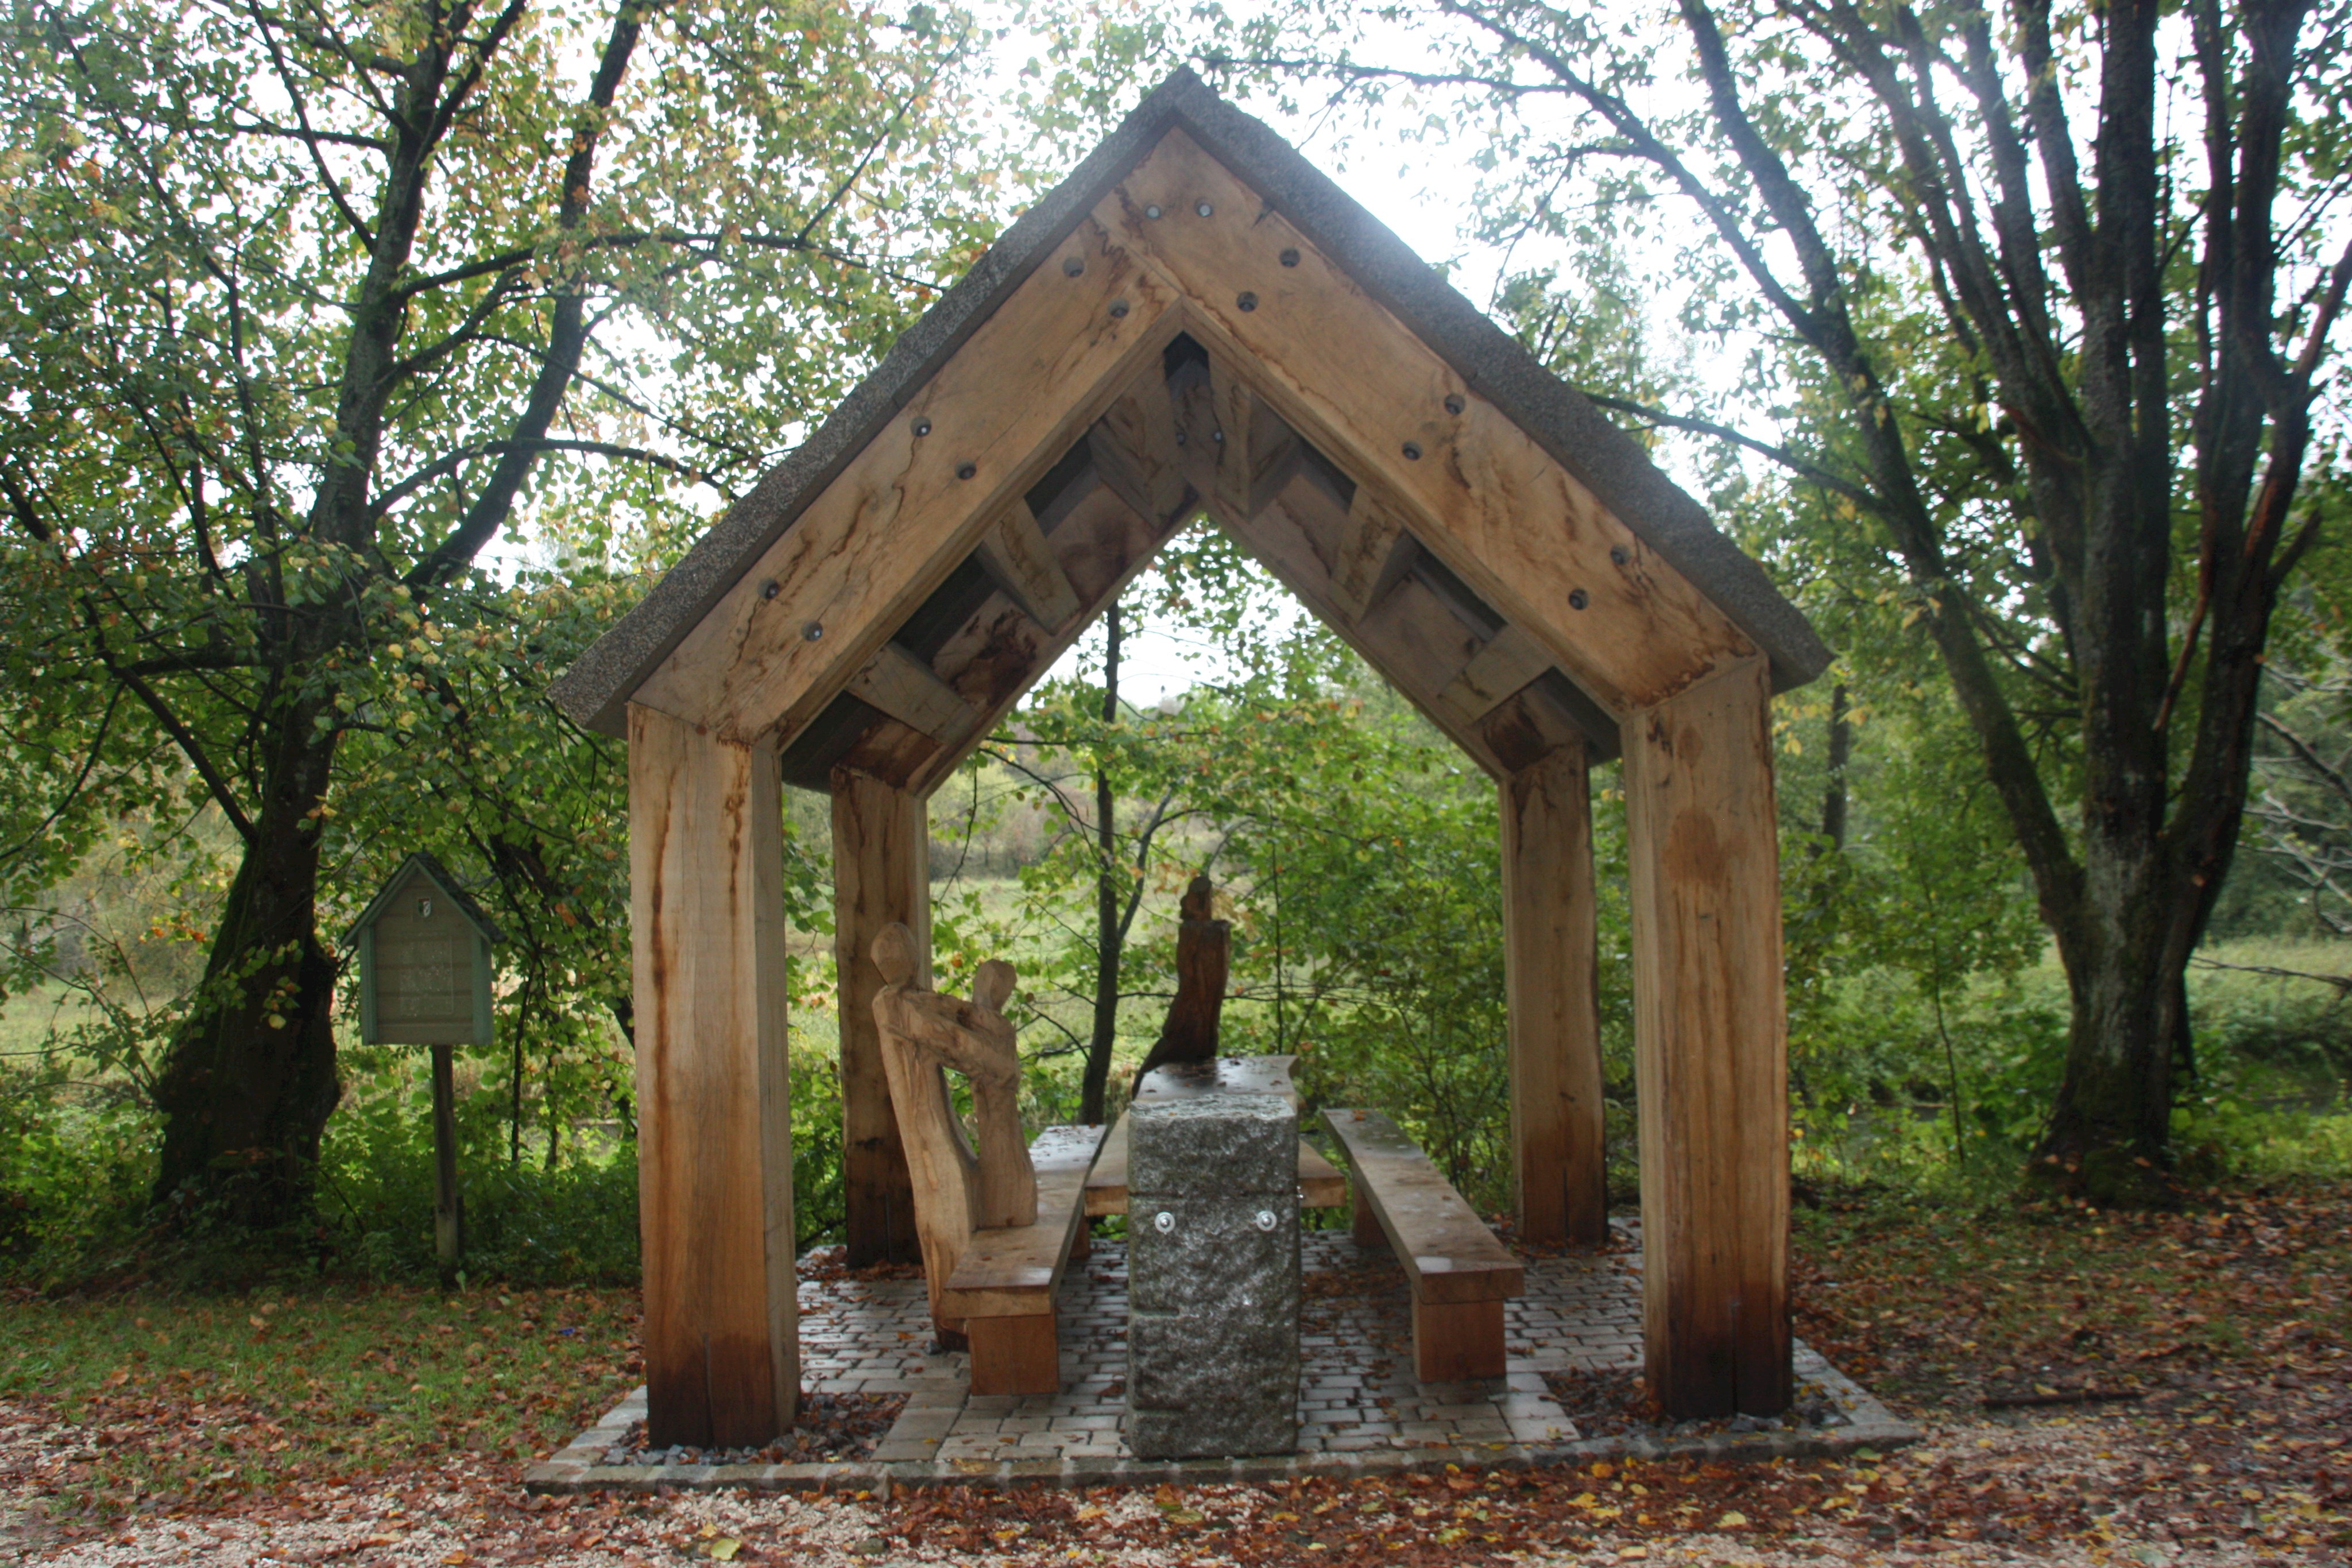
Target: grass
column 197, row 1401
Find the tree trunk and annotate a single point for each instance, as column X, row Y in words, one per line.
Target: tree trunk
column 1833, row 799
column 1110, row 931
column 248, row 1083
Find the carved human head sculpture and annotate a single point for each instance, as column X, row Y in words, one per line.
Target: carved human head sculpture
column 992, row 985
column 894, row 954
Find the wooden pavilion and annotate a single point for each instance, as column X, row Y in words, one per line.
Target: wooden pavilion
column 1197, row 321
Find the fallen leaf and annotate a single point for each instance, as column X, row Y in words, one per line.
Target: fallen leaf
column 724, row 1548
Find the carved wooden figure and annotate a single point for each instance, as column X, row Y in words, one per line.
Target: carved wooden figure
column 958, row 1190
column 1203, row 957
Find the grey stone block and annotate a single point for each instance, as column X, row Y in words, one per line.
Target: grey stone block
column 1218, row 1144
column 1173, row 1434
column 1216, row 1255
column 1196, row 1362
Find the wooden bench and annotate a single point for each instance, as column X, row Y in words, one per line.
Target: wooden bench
column 1005, row 1284
column 1461, row 1274
column 1320, row 1185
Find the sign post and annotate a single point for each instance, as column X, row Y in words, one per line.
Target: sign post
column 425, row 979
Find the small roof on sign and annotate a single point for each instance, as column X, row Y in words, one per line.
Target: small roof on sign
column 424, row 865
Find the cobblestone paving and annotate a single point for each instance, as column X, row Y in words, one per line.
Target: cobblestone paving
column 1357, row 1392
column 1361, row 1409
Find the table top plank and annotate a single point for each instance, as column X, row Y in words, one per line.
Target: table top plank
column 1320, row 1183
column 1438, row 1237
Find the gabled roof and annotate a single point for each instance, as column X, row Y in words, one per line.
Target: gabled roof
column 1555, row 416
column 423, row 864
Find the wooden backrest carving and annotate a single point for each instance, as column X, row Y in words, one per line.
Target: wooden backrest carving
column 958, row 1189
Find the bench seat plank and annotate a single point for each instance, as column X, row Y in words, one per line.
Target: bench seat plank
column 1459, row 1273
column 1005, row 1272
column 1439, row 1237
column 1004, row 1286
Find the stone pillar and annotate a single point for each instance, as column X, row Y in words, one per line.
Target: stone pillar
column 1213, row 1276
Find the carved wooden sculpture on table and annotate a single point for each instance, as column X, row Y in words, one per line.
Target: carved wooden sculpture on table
column 1203, row 956
column 958, row 1190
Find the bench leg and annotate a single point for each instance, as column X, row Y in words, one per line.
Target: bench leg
column 1017, row 1355
column 1452, row 1342
column 1082, row 1241
column 1367, row 1226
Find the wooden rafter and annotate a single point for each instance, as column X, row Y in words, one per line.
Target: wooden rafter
column 1015, row 554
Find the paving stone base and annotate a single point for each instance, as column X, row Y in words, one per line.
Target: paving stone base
column 1360, row 1410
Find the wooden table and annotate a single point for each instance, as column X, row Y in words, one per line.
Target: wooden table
column 1320, row 1185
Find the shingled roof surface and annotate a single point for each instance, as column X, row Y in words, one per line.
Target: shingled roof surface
column 1559, row 419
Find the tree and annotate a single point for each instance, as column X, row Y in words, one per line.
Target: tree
column 299, row 302
column 2042, row 298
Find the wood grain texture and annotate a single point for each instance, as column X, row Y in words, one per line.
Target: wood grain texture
column 959, row 1191
column 1446, row 1250
column 1135, row 450
column 1014, row 1272
column 1552, row 969
column 881, row 876
column 1354, row 380
column 1457, row 1341
column 1499, row 670
column 911, row 692
column 886, row 531
column 1417, row 649
column 1100, row 545
column 1015, row 1355
column 1710, row 1048
column 1372, row 556
column 1015, row 555
column 714, row 1120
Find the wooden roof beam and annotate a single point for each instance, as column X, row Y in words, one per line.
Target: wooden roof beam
column 1015, row 555
column 1481, row 494
column 1504, row 666
column 1136, row 451
column 910, row 691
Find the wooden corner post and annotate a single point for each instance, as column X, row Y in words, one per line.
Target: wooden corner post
column 1552, row 969
column 1710, row 1047
column 881, row 877
column 714, row 1111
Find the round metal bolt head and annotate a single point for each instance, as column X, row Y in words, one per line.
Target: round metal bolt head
column 1072, row 266
column 770, row 588
column 1578, row 598
column 922, row 427
column 1119, row 308
column 1152, row 211
column 1265, row 1219
column 1412, row 451
column 813, row 631
column 1289, row 257
column 1218, row 437
column 1163, row 1222
column 1248, row 301
column 966, row 470
column 1618, row 555
column 1455, row 403
column 1205, row 209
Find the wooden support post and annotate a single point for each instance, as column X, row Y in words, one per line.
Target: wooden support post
column 714, row 1113
column 1552, row 969
column 881, row 875
column 448, row 1205
column 1711, row 1048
